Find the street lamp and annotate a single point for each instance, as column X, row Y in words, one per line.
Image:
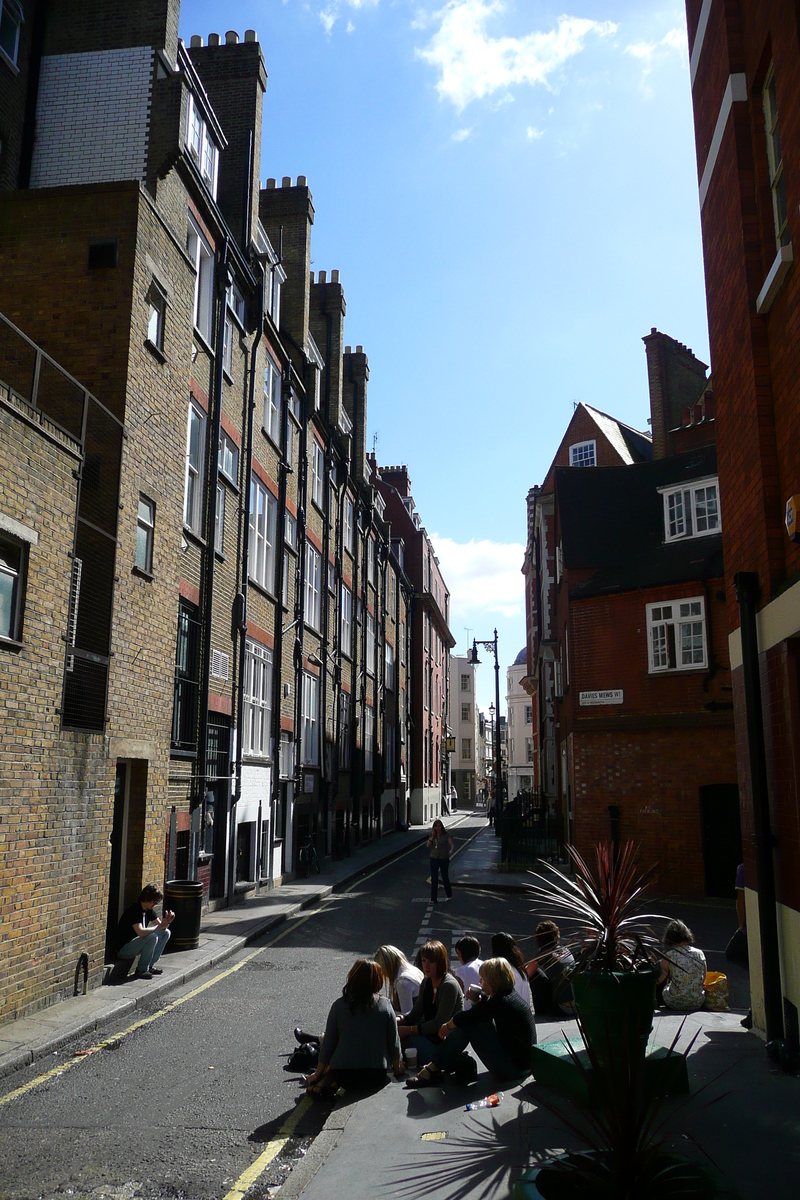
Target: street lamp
column 473, row 658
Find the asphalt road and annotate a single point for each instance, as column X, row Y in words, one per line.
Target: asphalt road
column 183, row 1105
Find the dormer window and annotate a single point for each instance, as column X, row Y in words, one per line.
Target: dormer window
column 691, row 511
column 201, row 146
column 583, row 454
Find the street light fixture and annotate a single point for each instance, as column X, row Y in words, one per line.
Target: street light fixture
column 498, row 787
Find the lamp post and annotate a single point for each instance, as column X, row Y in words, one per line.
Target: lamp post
column 498, row 786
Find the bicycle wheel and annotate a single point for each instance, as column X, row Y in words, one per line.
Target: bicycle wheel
column 313, row 861
column 302, row 863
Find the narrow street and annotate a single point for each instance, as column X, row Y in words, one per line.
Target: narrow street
column 183, row 1105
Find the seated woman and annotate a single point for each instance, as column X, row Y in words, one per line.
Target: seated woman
column 403, row 980
column 439, row 998
column 499, row 1027
column 504, row 946
column 549, row 973
column 683, row 970
column 360, row 1039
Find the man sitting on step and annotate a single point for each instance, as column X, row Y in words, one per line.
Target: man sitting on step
column 139, row 937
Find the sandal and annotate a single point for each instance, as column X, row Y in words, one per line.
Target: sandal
column 325, row 1086
column 428, row 1077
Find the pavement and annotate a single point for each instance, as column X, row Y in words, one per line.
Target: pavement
column 222, row 934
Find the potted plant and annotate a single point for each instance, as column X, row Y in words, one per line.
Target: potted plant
column 613, row 943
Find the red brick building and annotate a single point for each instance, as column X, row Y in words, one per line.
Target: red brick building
column 630, row 677
column 745, row 72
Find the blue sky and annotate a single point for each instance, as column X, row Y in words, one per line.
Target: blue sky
column 509, row 191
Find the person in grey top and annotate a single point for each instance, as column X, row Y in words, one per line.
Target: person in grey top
column 440, row 847
column 439, row 998
column 361, row 1038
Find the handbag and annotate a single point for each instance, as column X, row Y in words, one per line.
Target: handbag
column 715, row 986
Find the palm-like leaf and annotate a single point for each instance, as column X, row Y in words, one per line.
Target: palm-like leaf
column 608, row 930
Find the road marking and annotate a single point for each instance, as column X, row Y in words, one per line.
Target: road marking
column 116, row 1038
column 274, row 1147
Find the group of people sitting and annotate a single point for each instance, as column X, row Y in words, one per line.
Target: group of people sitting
column 390, row 1006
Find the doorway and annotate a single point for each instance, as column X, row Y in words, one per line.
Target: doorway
column 722, row 837
column 127, row 842
column 217, row 806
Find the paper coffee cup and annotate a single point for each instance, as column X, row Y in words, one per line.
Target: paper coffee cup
column 411, row 1058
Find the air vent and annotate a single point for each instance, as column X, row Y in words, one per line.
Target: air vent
column 102, row 254
column 220, row 664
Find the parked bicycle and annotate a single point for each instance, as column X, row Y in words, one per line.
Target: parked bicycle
column 307, row 860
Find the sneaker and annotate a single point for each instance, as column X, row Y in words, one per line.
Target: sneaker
column 156, row 971
column 446, row 899
column 143, row 975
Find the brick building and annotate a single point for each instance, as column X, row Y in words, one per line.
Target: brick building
column 225, row 672
column 633, row 700
column 430, row 645
column 745, row 68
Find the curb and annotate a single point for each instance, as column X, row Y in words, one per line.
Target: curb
column 15, row 1060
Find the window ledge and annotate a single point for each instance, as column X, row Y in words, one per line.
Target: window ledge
column 227, row 375
column 198, row 337
column 140, row 571
column 10, row 644
column 155, row 351
column 195, row 537
column 695, row 670
column 774, row 281
column 260, row 588
column 219, row 555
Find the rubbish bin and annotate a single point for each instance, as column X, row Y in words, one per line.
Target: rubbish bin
column 185, row 898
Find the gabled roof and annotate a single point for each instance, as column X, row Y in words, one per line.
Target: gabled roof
column 612, row 523
column 631, row 445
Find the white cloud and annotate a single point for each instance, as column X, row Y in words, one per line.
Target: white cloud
column 330, row 15
column 650, row 53
column 350, row 27
column 462, row 135
column 483, row 578
column 473, row 65
column 534, row 134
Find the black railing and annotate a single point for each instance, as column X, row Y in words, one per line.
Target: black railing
column 528, row 833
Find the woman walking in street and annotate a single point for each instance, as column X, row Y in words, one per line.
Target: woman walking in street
column 440, row 847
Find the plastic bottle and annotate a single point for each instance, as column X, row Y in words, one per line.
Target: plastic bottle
column 487, row 1102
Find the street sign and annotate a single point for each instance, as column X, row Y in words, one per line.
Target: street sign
column 451, row 745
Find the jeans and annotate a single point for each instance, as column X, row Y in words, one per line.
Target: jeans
column 485, row 1041
column 148, row 948
column 428, row 1049
column 437, row 865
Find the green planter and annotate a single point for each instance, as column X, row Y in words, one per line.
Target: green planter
column 616, row 1010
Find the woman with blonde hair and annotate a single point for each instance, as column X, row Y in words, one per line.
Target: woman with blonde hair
column 402, row 978
column 499, row 1027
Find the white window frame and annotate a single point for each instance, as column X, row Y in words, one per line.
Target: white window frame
column 371, row 561
column 11, row 15
column 528, row 749
column 583, row 454
column 777, row 183
column 228, row 458
column 528, row 714
column 684, row 509
column 272, row 401
column 145, row 523
column 309, row 736
column 317, row 473
column 312, row 603
column 346, row 636
column 465, row 683
column 257, row 707
column 156, row 314
column 276, row 277
column 369, row 739
column 402, row 642
column 202, row 147
column 466, row 712
column 195, row 469
column 12, row 575
column 203, row 257
column 466, row 749
column 348, row 524
column 370, row 664
column 219, row 518
column 674, row 641
column 263, row 528
column 389, row 667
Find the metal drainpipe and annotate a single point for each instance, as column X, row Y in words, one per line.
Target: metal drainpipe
column 210, row 563
column 241, row 599
column 747, row 591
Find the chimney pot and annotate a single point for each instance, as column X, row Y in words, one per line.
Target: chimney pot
column 270, row 183
column 348, row 350
column 301, row 181
column 311, row 276
column 334, row 276
column 250, row 35
column 213, row 39
column 323, row 276
column 231, row 38
column 287, row 181
column 195, row 40
column 653, row 329
column 359, row 349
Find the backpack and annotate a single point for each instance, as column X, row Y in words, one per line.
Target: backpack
column 304, row 1059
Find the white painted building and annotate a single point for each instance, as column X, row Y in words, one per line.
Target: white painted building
column 465, row 722
column 519, row 710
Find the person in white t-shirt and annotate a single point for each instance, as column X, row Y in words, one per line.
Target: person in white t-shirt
column 467, row 973
column 402, row 980
column 504, row 946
